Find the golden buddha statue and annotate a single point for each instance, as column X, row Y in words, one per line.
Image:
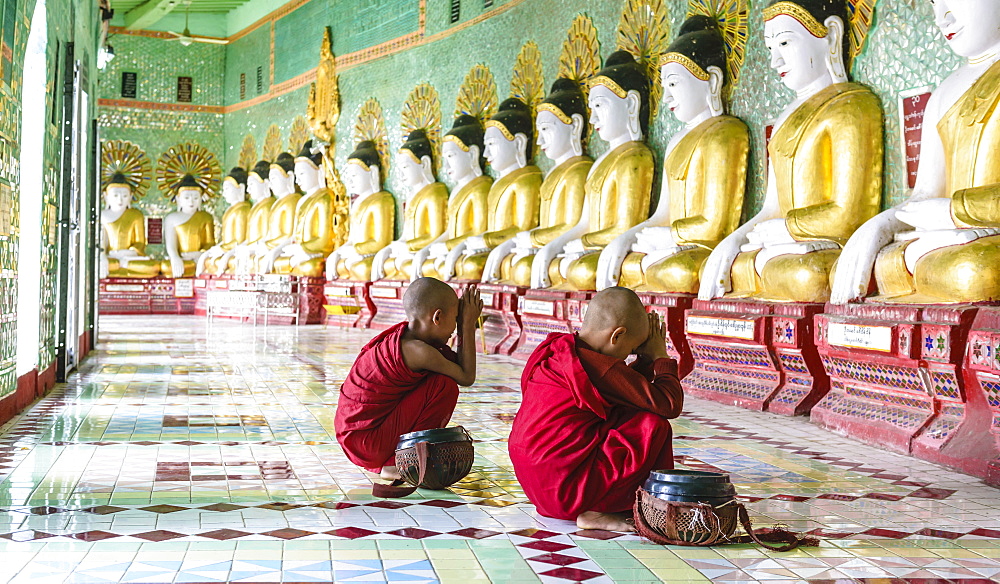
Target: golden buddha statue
column 944, row 241
column 467, row 216
column 618, row 185
column 258, row 187
column 373, row 217
column 562, row 124
column 825, row 175
column 512, row 203
column 704, row 175
column 281, row 217
column 425, row 213
column 234, row 224
column 313, row 238
column 123, row 234
column 187, row 232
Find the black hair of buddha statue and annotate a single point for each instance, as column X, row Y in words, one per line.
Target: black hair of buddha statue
column 823, row 9
column 188, row 181
column 469, row 130
column 119, row 179
column 701, row 41
column 515, row 115
column 261, row 169
column 239, row 174
column 366, row 152
column 286, row 161
column 419, row 144
column 622, row 68
column 306, row 152
column 567, row 95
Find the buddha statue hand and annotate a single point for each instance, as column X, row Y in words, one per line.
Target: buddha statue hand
column 522, row 242
column 574, row 249
column 214, row 252
column 297, row 255
column 418, row 261
column 176, row 266
column 609, row 265
column 476, row 244
column 491, row 272
column 767, row 233
column 927, row 215
column 395, row 249
column 448, row 271
column 102, row 265
column 438, row 250
column 650, row 239
column 854, row 268
column 716, row 277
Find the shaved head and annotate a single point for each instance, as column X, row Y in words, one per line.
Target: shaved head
column 426, row 295
column 615, row 307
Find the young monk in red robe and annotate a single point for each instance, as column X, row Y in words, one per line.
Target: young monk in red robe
column 406, row 379
column 591, row 428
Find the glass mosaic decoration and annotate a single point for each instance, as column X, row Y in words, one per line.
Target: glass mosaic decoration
column 189, row 158
column 127, row 158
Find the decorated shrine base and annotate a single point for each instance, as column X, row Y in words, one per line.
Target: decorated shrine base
column 549, row 311
column 501, row 328
column 271, row 299
column 146, row 296
column 387, row 297
column 348, row 304
column 671, row 307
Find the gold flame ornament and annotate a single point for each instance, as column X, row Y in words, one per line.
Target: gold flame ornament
column 732, row 16
column 272, row 144
column 580, row 58
column 860, row 14
column 248, row 152
column 370, row 125
column 127, row 158
column 478, row 94
column 297, row 136
column 528, row 82
column 188, row 158
column 323, row 110
column 422, row 111
column 644, row 31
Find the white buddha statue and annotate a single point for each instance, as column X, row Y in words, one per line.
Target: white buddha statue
column 943, row 244
column 234, row 224
column 259, row 189
column 123, row 235
column 281, row 215
column 188, row 232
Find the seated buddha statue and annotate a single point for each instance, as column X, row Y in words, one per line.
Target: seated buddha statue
column 512, row 203
column 562, row 124
column 312, row 238
column 123, row 235
column 943, row 244
column 373, row 217
column 188, row 232
column 704, row 173
column 259, row 189
column 462, row 161
column 281, row 217
column 618, row 185
column 234, row 224
column 825, row 174
column 425, row 212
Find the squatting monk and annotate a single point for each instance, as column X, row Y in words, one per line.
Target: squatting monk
column 591, row 428
column 406, row 379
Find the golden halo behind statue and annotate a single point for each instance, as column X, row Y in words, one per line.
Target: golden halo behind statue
column 478, row 94
column 732, row 16
column 122, row 156
column 860, row 14
column 580, row 58
column 422, row 111
column 528, row 82
column 370, row 125
column 272, row 144
column 297, row 136
column 248, row 153
column 644, row 31
column 188, row 158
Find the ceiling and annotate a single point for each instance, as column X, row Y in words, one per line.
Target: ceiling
column 149, row 14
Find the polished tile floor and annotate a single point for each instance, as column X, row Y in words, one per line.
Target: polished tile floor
column 189, row 452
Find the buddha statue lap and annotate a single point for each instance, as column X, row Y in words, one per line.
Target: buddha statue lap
column 234, row 224
column 312, row 240
column 825, row 173
column 943, row 244
column 467, row 216
column 425, row 213
column 188, row 232
column 619, row 182
column 373, row 217
column 258, row 187
column 123, row 235
column 281, row 217
column 704, row 175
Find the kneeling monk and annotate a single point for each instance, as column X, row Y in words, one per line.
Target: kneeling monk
column 406, row 379
column 591, row 428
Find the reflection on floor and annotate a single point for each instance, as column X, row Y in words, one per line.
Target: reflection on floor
column 184, row 452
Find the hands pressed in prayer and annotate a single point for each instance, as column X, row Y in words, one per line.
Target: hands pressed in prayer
column 470, row 307
column 655, row 346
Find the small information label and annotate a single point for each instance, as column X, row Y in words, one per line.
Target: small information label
column 912, row 105
column 383, row 292
column 874, row 338
column 185, row 89
column 125, row 288
column 487, row 299
column 184, row 288
column 540, row 307
column 129, row 84
column 154, row 230
column 222, row 284
column 201, row 283
column 721, row 327
column 338, row 291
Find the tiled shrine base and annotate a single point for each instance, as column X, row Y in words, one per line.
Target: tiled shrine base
column 671, row 307
column 897, row 381
column 146, row 296
column 185, row 453
column 348, row 304
column 387, row 296
column 756, row 355
column 549, row 311
column 501, row 317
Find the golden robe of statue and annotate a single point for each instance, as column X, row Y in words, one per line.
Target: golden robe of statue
column 280, row 223
column 467, row 216
column 424, row 220
column 373, row 225
column 234, row 232
column 129, row 232
column 195, row 234
column 314, row 232
column 706, row 180
column 256, row 225
column 827, row 161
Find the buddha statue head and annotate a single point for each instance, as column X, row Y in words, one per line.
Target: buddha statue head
column 118, row 193
column 970, row 27
column 562, row 121
column 619, row 100
column 416, row 161
column 234, row 187
column 307, row 168
column 281, row 175
column 693, row 70
column 189, row 195
column 257, row 181
column 507, row 141
column 462, row 150
column 807, row 42
column 361, row 177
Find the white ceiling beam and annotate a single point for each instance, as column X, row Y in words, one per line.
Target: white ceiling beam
column 148, row 14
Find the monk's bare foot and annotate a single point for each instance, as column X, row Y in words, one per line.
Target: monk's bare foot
column 605, row 521
column 390, row 473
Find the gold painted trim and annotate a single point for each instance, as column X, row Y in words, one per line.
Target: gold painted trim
column 413, row 156
column 688, row 64
column 306, row 159
column 230, row 179
column 456, row 141
column 798, row 13
column 503, row 129
column 359, row 162
column 610, row 84
column 554, row 110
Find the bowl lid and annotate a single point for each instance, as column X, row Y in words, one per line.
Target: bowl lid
column 690, row 489
column 434, row 436
column 715, row 501
column 688, row 476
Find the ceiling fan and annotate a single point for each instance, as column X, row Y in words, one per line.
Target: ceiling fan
column 186, row 38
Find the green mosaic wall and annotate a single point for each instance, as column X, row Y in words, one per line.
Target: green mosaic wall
column 245, row 56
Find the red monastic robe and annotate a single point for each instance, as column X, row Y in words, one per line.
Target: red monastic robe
column 382, row 398
column 591, row 428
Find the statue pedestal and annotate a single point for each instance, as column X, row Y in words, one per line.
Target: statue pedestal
column 501, row 318
column 757, row 355
column 145, row 296
column 348, row 304
column 204, row 285
column 549, row 311
column 387, row 296
column 273, row 298
column 982, row 390
column 671, row 307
